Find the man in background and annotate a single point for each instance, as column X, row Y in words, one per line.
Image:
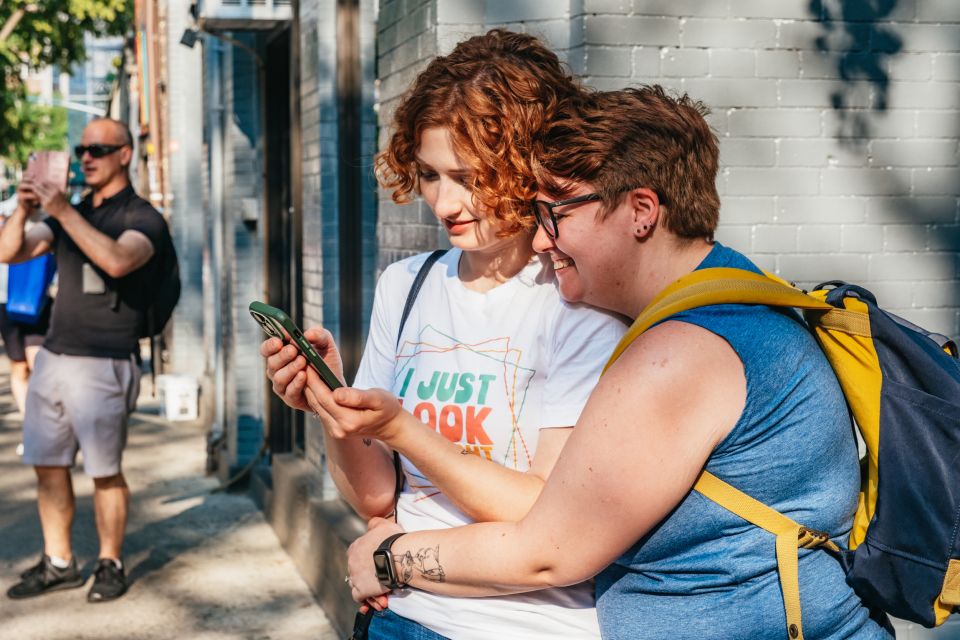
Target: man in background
column 87, row 374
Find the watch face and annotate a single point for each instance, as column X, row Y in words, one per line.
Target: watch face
column 381, row 563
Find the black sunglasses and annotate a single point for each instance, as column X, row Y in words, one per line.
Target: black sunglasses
column 547, row 219
column 97, row 150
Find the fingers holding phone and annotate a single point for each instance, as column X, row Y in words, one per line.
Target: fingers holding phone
column 285, row 370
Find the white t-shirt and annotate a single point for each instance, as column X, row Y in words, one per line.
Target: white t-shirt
column 488, row 370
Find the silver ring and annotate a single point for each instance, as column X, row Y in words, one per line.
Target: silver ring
column 347, row 580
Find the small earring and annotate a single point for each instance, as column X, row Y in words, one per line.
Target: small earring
column 645, row 227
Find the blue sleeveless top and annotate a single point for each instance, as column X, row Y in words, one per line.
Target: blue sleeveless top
column 703, row 572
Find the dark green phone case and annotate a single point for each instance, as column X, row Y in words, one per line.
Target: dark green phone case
column 278, row 324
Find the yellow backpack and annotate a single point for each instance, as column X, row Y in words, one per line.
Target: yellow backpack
column 902, row 384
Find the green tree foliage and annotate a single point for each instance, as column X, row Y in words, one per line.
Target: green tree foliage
column 40, row 33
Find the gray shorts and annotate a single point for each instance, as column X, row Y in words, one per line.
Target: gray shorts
column 78, row 402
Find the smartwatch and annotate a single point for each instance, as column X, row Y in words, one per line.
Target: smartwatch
column 383, row 563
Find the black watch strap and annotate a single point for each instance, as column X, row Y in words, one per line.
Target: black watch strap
column 390, row 579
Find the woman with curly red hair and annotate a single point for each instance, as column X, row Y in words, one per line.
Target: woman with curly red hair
column 492, row 367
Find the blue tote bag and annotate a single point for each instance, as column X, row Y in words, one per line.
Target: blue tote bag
column 27, row 285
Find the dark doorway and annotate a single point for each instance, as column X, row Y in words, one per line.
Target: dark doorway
column 282, row 220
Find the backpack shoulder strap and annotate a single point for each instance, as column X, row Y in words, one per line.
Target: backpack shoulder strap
column 407, row 308
column 415, row 287
column 790, row 537
column 720, row 285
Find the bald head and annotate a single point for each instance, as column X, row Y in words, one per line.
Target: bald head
column 109, row 170
column 118, row 132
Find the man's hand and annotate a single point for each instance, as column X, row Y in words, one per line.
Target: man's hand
column 363, row 577
column 26, row 197
column 50, row 197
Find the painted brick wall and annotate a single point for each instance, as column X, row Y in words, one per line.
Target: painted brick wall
column 838, row 128
column 184, row 118
column 243, row 195
column 838, row 131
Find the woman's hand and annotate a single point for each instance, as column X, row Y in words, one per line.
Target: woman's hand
column 363, row 577
column 286, row 367
column 348, row 412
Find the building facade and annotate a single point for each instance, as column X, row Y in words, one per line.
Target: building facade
column 838, row 125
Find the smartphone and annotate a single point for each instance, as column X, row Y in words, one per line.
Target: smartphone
column 278, row 324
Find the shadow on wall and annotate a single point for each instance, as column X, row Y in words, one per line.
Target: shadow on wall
column 860, row 39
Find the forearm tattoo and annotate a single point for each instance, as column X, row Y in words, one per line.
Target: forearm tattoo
column 426, row 563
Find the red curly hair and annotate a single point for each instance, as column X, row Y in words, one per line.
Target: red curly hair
column 493, row 93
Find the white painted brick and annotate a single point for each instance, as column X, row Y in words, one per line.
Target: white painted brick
column 747, row 152
column 912, row 266
column 736, row 236
column 731, row 34
column 942, row 293
column 924, row 95
column 778, row 64
column 891, row 295
column 733, row 63
column 820, row 93
column 914, row 153
column 772, row 182
column 646, row 62
column 935, row 124
column 888, row 124
column 820, row 210
column 929, row 37
column 523, row 10
column 798, row 34
column 461, row 12
column 938, row 11
column 912, row 66
column 818, row 65
column 818, row 152
column 816, row 268
column 904, row 237
column 639, row 29
column 781, row 10
column 686, row 8
column 741, row 210
column 774, row 238
column 811, row 238
column 879, row 181
column 607, row 61
column 934, row 182
column 946, row 66
column 684, row 63
column 774, row 122
column 607, row 6
column 915, row 210
column 861, row 238
column 767, row 262
column 723, row 92
column 943, row 238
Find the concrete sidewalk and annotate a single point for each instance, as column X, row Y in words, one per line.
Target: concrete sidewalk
column 201, row 565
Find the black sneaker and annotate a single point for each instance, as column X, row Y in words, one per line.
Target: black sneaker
column 44, row 577
column 109, row 582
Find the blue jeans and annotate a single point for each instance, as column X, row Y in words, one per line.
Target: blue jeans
column 386, row 625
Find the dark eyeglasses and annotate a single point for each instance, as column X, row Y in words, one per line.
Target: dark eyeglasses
column 547, row 219
column 97, row 150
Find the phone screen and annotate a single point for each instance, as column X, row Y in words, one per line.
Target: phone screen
column 277, row 324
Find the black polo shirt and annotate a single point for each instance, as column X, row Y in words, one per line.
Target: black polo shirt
column 94, row 314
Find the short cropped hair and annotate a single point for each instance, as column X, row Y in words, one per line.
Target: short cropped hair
column 632, row 138
column 119, row 125
column 493, row 93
